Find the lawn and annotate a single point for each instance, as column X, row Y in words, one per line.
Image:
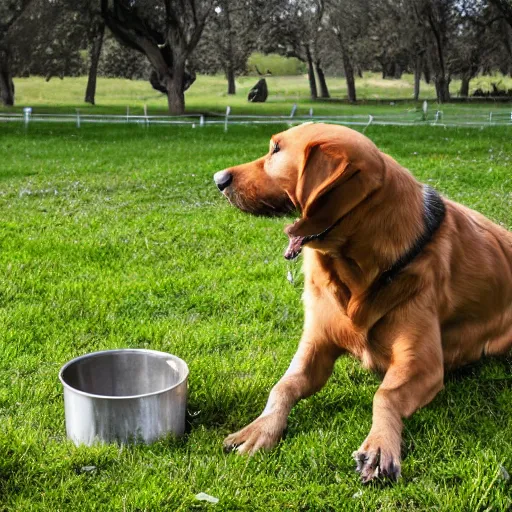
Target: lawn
column 208, row 94
column 115, row 236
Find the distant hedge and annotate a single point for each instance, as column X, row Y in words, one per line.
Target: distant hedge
column 276, row 64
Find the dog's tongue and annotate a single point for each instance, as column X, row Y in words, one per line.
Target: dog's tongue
column 294, row 247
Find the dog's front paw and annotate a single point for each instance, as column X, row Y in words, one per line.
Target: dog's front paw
column 377, row 460
column 262, row 434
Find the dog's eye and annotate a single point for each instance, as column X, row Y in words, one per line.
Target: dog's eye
column 275, row 148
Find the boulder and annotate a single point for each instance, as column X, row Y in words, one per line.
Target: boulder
column 259, row 93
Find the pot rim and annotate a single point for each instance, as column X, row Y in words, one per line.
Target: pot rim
column 165, row 355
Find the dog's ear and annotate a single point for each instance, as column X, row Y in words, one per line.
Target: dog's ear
column 320, row 172
column 328, row 187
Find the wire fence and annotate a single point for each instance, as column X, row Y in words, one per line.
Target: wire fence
column 456, row 117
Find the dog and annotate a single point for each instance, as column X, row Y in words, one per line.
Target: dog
column 409, row 282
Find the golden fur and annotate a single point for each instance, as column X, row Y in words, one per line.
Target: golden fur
column 449, row 306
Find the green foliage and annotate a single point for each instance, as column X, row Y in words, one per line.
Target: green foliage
column 48, row 38
column 115, row 236
column 276, row 64
column 121, row 62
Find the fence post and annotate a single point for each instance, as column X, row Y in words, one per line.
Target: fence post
column 77, row 118
column 294, row 109
column 127, row 112
column 311, row 112
column 146, row 114
column 228, row 110
column 370, row 121
column 425, row 110
column 490, row 117
column 201, row 120
column 27, row 111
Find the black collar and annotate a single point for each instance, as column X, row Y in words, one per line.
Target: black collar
column 434, row 211
column 323, row 234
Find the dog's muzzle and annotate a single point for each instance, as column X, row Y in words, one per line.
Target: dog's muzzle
column 222, row 179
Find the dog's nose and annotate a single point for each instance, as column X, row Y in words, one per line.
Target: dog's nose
column 222, row 179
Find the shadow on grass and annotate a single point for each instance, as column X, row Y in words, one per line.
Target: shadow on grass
column 469, row 392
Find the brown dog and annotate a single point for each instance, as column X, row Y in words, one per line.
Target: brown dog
column 408, row 282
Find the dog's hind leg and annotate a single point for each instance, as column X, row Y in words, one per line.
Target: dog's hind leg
column 308, row 372
column 501, row 346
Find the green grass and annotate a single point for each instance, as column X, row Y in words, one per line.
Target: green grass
column 116, row 237
column 208, row 94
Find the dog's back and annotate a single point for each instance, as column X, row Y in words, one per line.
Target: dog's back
column 475, row 306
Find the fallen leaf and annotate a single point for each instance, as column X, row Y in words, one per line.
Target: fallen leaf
column 206, row 497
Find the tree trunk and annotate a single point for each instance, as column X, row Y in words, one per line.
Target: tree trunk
column 324, row 91
column 442, row 84
column 382, row 67
column 464, row 86
column 95, row 52
column 447, row 88
column 175, row 93
column 388, row 70
column 348, row 69
column 426, row 71
column 175, row 99
column 311, row 75
column 349, row 77
column 417, row 77
column 442, row 75
column 228, row 62
column 505, row 39
column 6, row 83
column 230, row 73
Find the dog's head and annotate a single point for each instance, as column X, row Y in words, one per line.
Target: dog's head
column 322, row 171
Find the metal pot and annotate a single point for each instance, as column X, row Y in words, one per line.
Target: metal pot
column 126, row 395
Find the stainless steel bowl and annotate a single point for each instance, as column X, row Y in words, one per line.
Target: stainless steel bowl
column 127, row 395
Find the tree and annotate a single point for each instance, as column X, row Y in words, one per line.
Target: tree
column 505, row 7
column 231, row 35
column 502, row 11
column 119, row 61
column 401, row 49
column 47, row 40
column 460, row 38
column 46, row 37
column 437, row 16
column 10, row 12
column 320, row 40
column 95, row 37
column 166, row 31
column 224, row 12
column 407, row 46
column 390, row 48
column 348, row 21
column 472, row 41
column 294, row 29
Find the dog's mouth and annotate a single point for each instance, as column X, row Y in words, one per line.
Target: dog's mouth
column 295, row 243
column 294, row 247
